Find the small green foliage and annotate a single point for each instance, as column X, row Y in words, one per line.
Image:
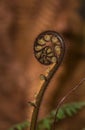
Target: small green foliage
column 67, row 110
column 44, row 124
column 20, row 126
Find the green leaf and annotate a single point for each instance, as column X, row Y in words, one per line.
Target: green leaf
column 69, row 109
column 44, row 124
column 21, row 126
column 61, row 114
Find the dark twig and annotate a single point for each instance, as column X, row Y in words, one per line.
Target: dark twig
column 64, row 98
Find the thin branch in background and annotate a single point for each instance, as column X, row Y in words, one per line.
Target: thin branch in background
column 63, row 99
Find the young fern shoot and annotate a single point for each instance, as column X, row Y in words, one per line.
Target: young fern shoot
column 49, row 48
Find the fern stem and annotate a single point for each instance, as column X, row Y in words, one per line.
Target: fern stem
column 46, row 83
column 40, row 96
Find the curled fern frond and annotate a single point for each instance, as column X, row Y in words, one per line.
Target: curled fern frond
column 48, row 47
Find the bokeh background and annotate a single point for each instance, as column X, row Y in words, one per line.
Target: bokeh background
column 20, row 23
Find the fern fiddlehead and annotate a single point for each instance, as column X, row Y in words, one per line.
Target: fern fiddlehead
column 49, row 48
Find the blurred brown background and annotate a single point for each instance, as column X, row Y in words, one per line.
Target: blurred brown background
column 20, row 23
